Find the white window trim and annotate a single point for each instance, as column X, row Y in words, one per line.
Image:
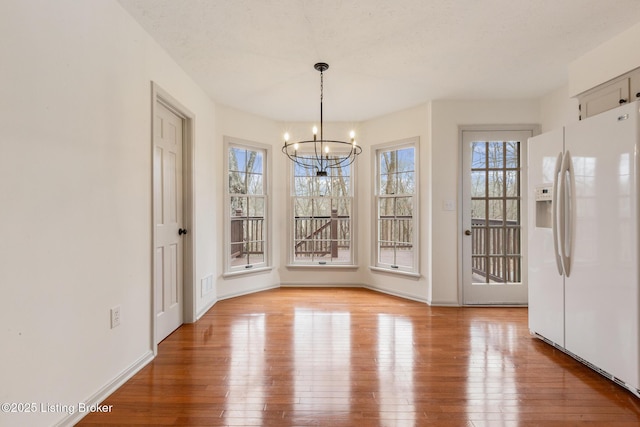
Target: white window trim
column 291, row 263
column 230, row 271
column 414, row 143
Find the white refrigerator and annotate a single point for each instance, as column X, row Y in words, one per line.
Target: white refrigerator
column 584, row 242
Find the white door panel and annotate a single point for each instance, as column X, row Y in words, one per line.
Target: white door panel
column 168, row 260
column 546, row 283
column 494, row 211
column 602, row 289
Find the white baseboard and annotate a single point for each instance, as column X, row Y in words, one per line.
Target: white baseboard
column 205, row 309
column 109, row 388
column 320, row 285
column 397, row 294
column 445, row 304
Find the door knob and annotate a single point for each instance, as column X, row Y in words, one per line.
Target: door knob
column 182, row 231
column 467, row 232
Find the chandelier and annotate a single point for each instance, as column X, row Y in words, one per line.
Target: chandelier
column 321, row 154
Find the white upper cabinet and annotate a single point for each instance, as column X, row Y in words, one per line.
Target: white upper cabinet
column 611, row 94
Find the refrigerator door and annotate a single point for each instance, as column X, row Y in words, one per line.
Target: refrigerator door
column 601, row 294
column 546, row 292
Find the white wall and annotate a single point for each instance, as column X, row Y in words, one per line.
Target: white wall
column 245, row 126
column 75, row 194
column 446, row 117
column 557, row 109
column 605, row 62
column 404, row 124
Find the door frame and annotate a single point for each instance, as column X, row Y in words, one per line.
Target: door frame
column 535, row 130
column 159, row 95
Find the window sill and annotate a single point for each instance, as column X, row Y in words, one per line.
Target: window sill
column 394, row 271
column 236, row 273
column 323, row 266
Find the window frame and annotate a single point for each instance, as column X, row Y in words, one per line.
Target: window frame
column 328, row 264
column 266, row 264
column 377, row 150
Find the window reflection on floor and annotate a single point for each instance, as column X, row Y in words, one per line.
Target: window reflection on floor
column 246, row 368
column 492, row 371
column 395, row 371
column 322, row 354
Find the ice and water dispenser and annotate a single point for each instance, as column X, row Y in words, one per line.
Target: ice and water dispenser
column 544, row 210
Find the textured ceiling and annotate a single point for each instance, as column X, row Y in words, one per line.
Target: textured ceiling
column 384, row 55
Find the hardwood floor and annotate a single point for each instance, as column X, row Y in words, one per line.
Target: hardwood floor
column 353, row 357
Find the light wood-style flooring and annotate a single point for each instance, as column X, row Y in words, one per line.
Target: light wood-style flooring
column 354, row 357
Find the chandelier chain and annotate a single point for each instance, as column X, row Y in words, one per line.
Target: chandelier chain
column 321, row 86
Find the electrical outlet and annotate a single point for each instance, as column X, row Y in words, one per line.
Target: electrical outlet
column 115, row 316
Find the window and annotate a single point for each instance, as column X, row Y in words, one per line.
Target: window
column 322, row 209
column 396, row 205
column 247, row 201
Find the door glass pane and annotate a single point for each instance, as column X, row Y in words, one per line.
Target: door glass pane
column 495, row 154
column 512, row 152
column 513, row 212
column 478, row 155
column 495, row 238
column 496, row 215
column 478, row 184
column 495, row 211
column 478, row 211
column 496, row 183
column 512, row 184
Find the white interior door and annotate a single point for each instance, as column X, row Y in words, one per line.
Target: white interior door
column 168, row 217
column 493, row 216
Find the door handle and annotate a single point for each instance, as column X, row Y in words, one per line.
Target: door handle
column 555, row 201
column 182, row 231
column 566, row 212
column 467, row 232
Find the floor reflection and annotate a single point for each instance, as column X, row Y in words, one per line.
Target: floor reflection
column 322, row 355
column 347, row 357
column 246, row 396
column 491, row 384
column 395, row 360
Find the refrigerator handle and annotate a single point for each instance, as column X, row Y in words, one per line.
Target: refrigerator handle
column 566, row 209
column 555, row 212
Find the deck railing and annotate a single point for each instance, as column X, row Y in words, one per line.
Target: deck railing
column 247, row 235
column 496, row 250
column 322, row 235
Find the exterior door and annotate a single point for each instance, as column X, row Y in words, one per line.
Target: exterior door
column 493, row 215
column 168, row 218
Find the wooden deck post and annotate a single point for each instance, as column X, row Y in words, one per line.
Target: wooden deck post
column 334, row 233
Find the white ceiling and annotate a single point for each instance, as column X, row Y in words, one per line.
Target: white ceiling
column 384, row 55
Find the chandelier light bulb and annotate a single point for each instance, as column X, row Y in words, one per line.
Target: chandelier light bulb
column 315, row 130
column 295, row 146
column 326, row 149
column 352, row 134
column 286, row 137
